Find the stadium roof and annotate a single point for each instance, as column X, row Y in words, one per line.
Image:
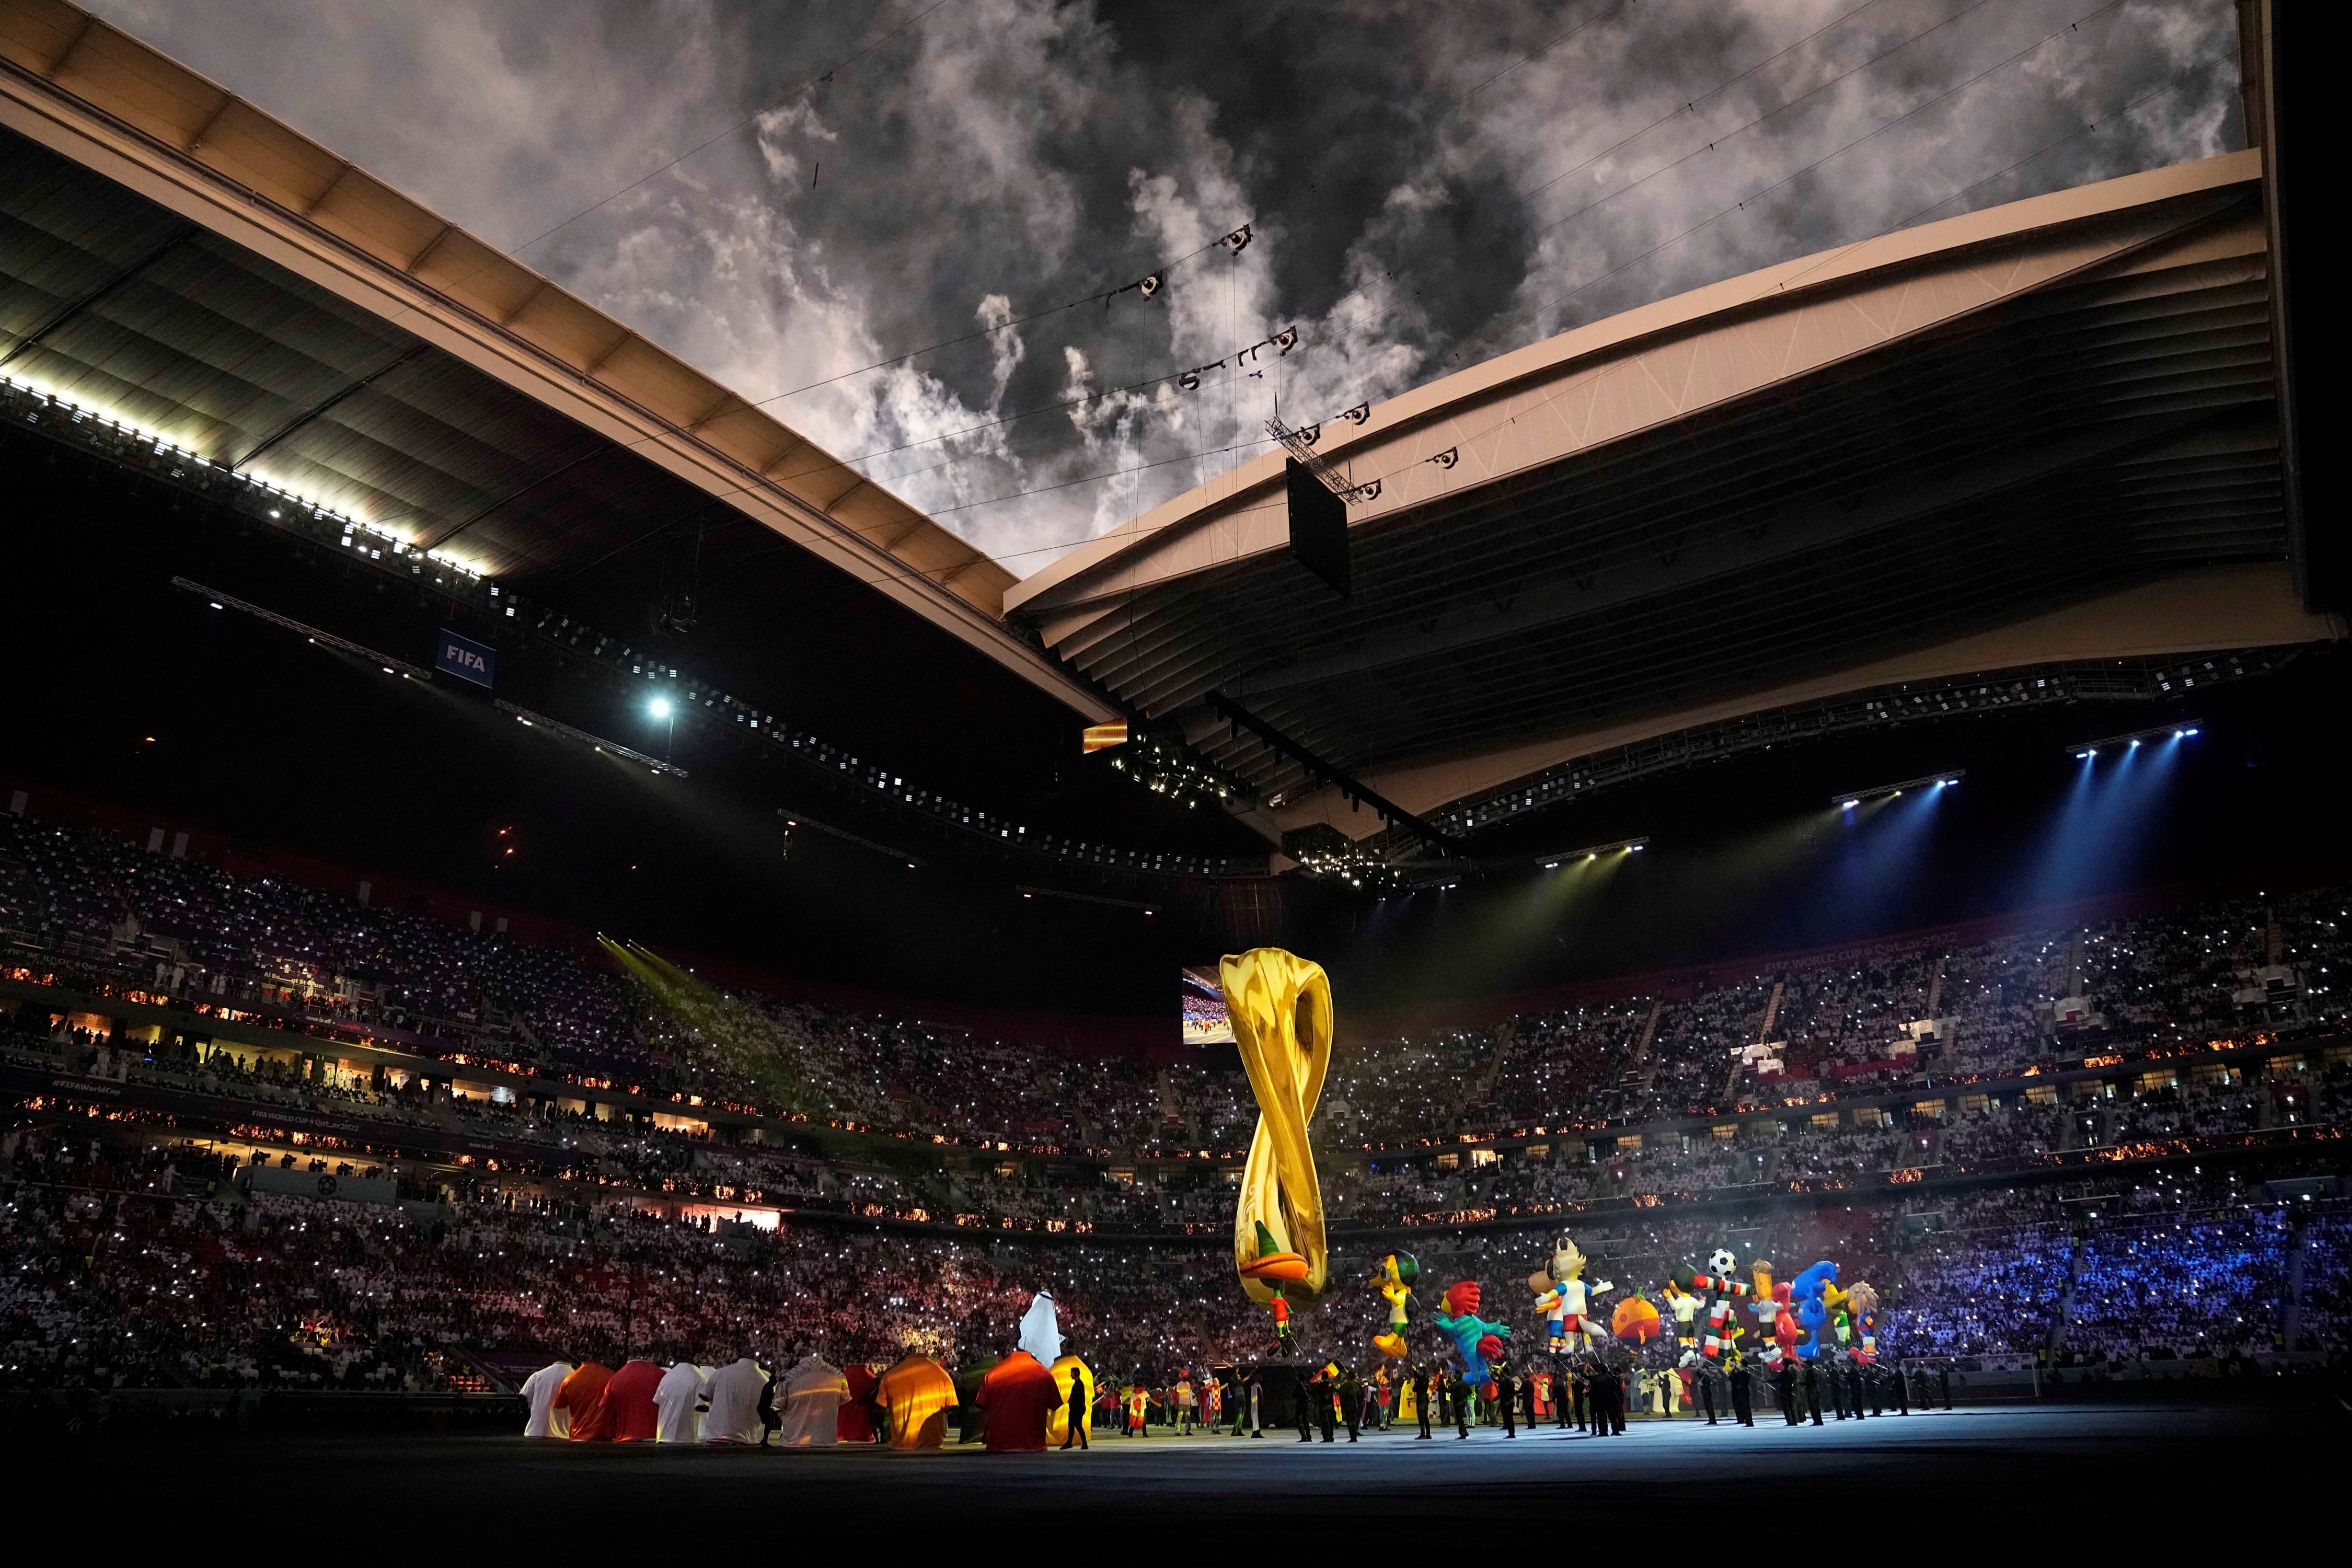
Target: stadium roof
column 2037, row 435
column 175, row 257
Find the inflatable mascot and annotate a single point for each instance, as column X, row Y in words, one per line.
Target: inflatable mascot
column 1276, row 1271
column 1636, row 1318
column 1862, row 1306
column 1475, row 1337
column 1710, row 1289
column 1809, row 1301
column 1562, row 1297
column 1398, row 1271
column 1774, row 1322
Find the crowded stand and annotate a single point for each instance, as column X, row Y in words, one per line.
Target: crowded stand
column 150, row 1269
column 1644, row 1123
column 86, row 903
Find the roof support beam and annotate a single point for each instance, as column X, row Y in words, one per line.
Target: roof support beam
column 432, row 540
column 309, row 415
column 1828, row 522
column 197, row 140
column 81, row 305
column 1392, row 814
column 425, row 252
column 89, row 24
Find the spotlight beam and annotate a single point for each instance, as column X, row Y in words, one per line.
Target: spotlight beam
column 1948, row 777
column 1589, row 852
column 2179, row 729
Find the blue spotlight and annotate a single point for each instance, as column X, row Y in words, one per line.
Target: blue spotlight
column 1847, row 800
column 2130, row 740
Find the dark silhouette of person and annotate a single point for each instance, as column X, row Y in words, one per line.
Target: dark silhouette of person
column 1082, row 1408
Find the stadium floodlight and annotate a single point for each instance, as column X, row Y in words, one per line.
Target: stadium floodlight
column 2179, row 729
column 1847, row 800
column 1555, row 860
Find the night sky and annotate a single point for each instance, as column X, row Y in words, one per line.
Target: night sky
column 1426, row 185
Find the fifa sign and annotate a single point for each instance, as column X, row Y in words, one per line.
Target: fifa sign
column 465, row 658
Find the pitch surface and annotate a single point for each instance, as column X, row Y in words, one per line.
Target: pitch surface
column 2141, row 1471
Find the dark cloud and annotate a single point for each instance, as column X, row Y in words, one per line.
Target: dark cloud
column 1428, row 185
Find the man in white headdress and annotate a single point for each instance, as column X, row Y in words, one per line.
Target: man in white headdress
column 1041, row 1331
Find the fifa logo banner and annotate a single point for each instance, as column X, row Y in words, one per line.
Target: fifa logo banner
column 465, row 658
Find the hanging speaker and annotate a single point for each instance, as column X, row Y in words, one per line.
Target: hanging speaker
column 1319, row 528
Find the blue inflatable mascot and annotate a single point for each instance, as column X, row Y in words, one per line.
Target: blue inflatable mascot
column 1475, row 1337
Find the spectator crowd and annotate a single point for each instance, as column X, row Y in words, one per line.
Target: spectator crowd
column 1656, row 1126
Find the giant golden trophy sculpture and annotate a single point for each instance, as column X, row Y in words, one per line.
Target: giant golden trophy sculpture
column 1280, row 1005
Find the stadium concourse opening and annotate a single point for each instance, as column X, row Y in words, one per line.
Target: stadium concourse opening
column 1680, row 877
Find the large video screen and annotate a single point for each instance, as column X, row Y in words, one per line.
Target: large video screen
column 1205, row 1023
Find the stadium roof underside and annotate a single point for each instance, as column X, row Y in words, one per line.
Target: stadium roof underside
column 178, row 259
column 2025, row 438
